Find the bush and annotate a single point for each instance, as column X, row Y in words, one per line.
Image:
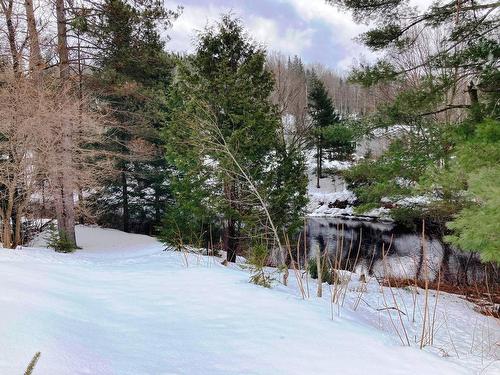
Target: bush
column 257, row 261
column 60, row 242
column 338, row 140
column 372, row 180
column 406, row 217
column 476, row 228
column 469, row 188
column 327, row 276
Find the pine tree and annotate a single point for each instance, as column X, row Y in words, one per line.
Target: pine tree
column 466, row 59
column 471, row 183
column 442, row 65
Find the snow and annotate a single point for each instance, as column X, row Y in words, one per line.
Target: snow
column 322, row 204
column 331, row 190
column 332, row 193
column 122, row 305
column 336, row 164
column 418, row 200
column 380, row 212
column 321, row 209
column 379, row 139
column 391, row 131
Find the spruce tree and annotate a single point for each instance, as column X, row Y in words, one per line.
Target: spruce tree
column 323, row 115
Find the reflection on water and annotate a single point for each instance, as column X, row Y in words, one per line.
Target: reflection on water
column 379, row 250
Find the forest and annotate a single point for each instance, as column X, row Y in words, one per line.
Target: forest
column 239, row 151
column 133, row 137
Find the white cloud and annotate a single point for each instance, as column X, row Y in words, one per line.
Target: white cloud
column 318, row 10
column 291, row 41
column 343, row 29
column 192, row 19
column 278, row 35
column 262, row 30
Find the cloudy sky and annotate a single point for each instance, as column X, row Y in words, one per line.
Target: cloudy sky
column 310, row 28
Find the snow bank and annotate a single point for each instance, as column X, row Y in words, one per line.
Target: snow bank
column 123, row 306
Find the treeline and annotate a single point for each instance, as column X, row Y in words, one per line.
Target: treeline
column 84, row 89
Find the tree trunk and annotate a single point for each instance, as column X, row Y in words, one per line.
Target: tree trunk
column 6, row 233
column 229, row 234
column 67, row 191
column 230, row 240
column 445, row 264
column 474, row 101
column 7, row 8
column 157, row 207
column 35, row 59
column 320, row 273
column 126, row 214
column 65, row 211
column 320, row 146
column 65, row 208
column 17, row 229
column 420, row 265
column 7, row 209
column 16, row 222
column 318, row 166
column 62, row 41
column 466, row 269
column 81, row 216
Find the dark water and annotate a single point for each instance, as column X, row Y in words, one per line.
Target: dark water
column 379, row 249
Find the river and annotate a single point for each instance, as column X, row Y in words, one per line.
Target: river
column 381, row 249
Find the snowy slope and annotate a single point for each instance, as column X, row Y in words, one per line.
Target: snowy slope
column 331, row 190
column 121, row 305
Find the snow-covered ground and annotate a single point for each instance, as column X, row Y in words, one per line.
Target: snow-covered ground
column 334, row 199
column 322, row 200
column 122, row 305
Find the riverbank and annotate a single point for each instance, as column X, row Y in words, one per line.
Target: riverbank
column 333, row 198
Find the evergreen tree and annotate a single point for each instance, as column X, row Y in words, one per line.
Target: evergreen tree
column 429, row 86
column 470, row 182
column 132, row 77
column 222, row 136
column 328, row 133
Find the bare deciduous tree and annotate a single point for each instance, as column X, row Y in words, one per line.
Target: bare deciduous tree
column 290, row 97
column 31, row 120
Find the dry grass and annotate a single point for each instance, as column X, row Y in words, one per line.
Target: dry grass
column 485, row 297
